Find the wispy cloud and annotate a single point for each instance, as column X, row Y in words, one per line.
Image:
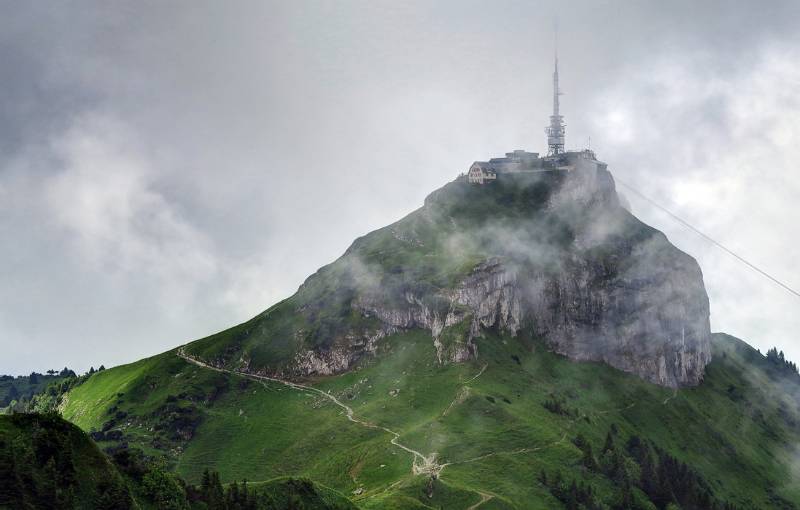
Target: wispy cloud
column 719, row 148
column 167, row 174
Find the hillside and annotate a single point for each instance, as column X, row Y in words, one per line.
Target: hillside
column 46, row 462
column 434, row 366
column 550, row 254
column 489, row 424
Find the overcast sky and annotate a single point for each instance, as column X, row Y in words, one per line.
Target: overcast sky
column 169, row 169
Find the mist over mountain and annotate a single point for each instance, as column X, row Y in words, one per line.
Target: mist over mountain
column 158, row 156
column 521, row 341
column 527, row 338
column 546, row 253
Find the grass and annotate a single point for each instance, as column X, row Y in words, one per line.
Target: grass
column 485, row 421
column 736, row 438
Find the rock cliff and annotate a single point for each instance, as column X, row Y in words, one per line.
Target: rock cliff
column 551, row 255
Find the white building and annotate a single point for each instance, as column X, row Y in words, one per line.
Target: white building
column 523, row 162
column 480, row 173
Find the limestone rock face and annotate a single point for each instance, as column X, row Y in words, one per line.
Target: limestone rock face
column 653, row 322
column 640, row 307
column 549, row 255
column 338, row 359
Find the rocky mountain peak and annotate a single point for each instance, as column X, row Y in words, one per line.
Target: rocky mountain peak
column 547, row 256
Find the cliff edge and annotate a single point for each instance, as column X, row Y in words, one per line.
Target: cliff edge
column 547, row 255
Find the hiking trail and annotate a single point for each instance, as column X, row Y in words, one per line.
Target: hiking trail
column 422, row 464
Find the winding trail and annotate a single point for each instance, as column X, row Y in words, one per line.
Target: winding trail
column 463, row 393
column 422, row 464
column 485, row 496
column 483, row 369
column 461, row 396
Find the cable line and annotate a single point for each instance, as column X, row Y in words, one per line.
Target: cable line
column 707, row 237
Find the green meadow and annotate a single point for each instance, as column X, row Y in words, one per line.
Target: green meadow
column 484, row 421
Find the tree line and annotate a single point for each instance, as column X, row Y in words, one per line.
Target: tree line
column 644, row 474
column 780, row 364
column 168, row 491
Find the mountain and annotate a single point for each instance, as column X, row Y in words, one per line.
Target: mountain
column 548, row 254
column 527, row 343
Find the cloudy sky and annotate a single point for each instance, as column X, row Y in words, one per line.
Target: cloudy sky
column 168, row 169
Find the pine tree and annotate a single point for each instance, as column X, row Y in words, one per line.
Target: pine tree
column 48, row 488
column 649, row 477
column 572, row 496
column 211, row 490
column 609, row 444
column 617, row 467
column 626, row 497
column 588, row 460
column 217, row 492
column 232, row 496
column 244, row 496
column 205, row 484
column 558, row 480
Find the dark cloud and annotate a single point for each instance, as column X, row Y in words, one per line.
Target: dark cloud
column 169, row 169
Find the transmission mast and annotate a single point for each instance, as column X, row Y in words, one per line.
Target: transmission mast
column 556, row 130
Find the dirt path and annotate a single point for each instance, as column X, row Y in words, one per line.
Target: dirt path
column 463, row 393
column 675, row 394
column 422, row 464
column 485, row 496
column 483, row 369
column 462, row 396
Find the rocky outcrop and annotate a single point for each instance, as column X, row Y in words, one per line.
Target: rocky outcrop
column 642, row 308
column 551, row 255
column 652, row 323
column 341, row 356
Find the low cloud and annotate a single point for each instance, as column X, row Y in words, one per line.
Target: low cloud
column 117, row 222
column 168, row 174
column 718, row 148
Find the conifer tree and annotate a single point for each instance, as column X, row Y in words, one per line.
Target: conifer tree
column 588, row 460
column 609, row 444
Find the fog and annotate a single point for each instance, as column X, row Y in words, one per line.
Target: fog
column 170, row 169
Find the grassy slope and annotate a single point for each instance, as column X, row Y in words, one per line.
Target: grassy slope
column 283, row 491
column 730, row 428
column 493, row 430
column 44, row 458
column 47, row 462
